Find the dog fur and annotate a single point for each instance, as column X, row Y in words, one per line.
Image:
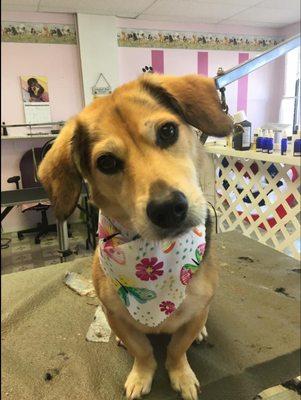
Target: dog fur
column 125, row 124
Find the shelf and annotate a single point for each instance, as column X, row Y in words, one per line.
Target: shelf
column 10, row 137
column 250, row 154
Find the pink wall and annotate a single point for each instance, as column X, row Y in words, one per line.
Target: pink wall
column 130, row 62
column 227, row 60
column 242, row 88
column 259, row 93
column 61, row 64
column 203, row 63
column 290, row 30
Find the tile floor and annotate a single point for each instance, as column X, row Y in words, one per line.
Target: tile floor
column 25, row 254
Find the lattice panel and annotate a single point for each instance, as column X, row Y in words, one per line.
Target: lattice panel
column 261, row 200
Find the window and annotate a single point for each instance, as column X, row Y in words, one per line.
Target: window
column 290, row 104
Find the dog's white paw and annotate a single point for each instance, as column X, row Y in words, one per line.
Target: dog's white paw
column 203, row 335
column 185, row 382
column 138, row 383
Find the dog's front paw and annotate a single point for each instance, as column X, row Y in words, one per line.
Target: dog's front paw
column 202, row 335
column 184, row 381
column 139, row 382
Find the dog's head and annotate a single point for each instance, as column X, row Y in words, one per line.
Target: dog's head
column 139, row 155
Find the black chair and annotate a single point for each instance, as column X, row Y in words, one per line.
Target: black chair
column 28, row 169
column 90, row 211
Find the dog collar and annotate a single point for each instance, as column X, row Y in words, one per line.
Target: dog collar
column 150, row 276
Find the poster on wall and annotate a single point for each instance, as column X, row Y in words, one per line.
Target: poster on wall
column 35, row 95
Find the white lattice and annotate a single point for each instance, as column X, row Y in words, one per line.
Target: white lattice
column 260, row 199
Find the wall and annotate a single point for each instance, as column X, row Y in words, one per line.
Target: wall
column 60, row 63
column 98, row 50
column 290, row 30
column 259, row 93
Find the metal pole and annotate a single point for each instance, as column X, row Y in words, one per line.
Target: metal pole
column 62, row 232
column 251, row 65
column 30, row 125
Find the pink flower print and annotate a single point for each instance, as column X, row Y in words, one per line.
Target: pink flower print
column 202, row 248
column 167, row 307
column 114, row 253
column 149, row 269
column 185, row 275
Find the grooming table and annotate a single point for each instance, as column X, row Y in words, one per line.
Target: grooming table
column 253, row 332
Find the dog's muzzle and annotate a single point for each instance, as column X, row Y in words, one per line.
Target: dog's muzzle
column 168, row 214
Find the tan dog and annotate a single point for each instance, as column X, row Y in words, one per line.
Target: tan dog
column 133, row 147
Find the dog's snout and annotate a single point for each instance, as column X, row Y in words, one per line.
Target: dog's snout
column 170, row 213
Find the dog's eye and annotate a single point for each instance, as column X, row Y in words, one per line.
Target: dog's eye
column 167, row 135
column 109, row 164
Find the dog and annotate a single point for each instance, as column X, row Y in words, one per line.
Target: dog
column 141, row 160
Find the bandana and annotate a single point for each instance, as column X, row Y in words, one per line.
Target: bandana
column 150, row 276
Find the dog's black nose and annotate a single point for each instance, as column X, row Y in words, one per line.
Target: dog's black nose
column 170, row 213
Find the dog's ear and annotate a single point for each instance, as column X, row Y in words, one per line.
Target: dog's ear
column 194, row 97
column 59, row 174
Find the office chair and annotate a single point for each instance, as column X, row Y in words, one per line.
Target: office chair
column 28, row 169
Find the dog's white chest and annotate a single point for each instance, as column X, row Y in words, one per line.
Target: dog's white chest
column 150, row 277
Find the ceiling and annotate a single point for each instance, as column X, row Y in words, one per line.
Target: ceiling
column 263, row 13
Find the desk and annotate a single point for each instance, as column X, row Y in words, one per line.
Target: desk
column 12, row 198
column 18, row 137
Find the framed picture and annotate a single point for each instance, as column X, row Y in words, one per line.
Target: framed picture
column 34, row 89
column 35, row 96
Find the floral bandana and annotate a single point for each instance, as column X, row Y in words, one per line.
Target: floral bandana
column 150, row 276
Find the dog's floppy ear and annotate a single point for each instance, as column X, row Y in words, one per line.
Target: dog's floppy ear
column 59, row 174
column 194, row 97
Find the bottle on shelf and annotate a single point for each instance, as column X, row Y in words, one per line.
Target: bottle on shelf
column 284, row 144
column 264, row 141
column 295, row 137
column 259, row 141
column 297, row 146
column 242, row 132
column 290, row 149
column 270, row 142
column 277, row 140
column 254, row 139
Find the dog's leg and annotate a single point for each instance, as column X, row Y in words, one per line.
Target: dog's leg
column 140, row 378
column 203, row 334
column 181, row 376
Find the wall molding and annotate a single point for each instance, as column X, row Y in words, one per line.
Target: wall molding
column 54, row 33
column 38, row 32
column 171, row 39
